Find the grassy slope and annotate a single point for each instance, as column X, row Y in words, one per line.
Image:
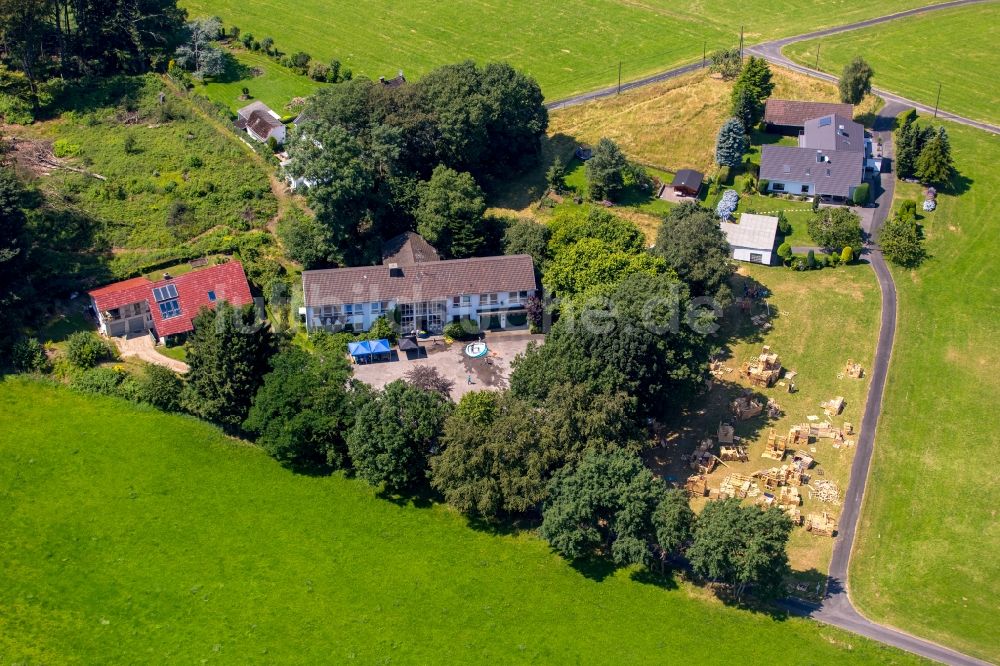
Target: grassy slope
column 570, row 47
column 911, row 56
column 131, row 535
column 927, row 558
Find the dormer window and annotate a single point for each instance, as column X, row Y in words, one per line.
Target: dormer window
column 211, row 296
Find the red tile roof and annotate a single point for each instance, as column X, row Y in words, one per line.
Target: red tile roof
column 227, row 281
column 791, row 113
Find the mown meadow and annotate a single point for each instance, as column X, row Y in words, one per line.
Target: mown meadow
column 926, row 559
column 133, row 535
column 571, row 47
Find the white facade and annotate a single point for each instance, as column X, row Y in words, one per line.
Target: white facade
column 752, row 255
column 488, row 310
column 124, row 320
column 791, row 187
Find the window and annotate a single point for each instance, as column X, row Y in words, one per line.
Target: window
column 462, row 301
column 756, row 258
column 136, row 309
column 826, row 122
column 114, row 314
column 170, row 309
column 778, row 187
column 379, row 308
column 488, row 299
column 517, row 298
column 805, row 189
column 211, row 296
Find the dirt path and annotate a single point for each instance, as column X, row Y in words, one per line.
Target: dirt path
column 143, row 348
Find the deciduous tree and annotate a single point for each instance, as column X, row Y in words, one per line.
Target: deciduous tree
column 855, row 81
column 835, row 228
column 450, row 213
column 606, row 171
column 694, row 246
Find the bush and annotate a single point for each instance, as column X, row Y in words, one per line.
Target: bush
column 272, row 144
column 785, row 252
column 846, row 255
column 28, row 355
column 862, row 194
column 461, row 330
column 727, row 204
column 85, row 350
column 63, row 148
column 105, row 381
column 762, row 185
column 811, row 260
column 784, row 226
column 383, row 328
column 907, row 207
column 725, row 176
column 159, row 387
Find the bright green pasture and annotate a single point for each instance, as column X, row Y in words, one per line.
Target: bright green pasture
column 135, row 536
column 276, row 86
column 953, row 47
column 571, row 46
column 927, row 559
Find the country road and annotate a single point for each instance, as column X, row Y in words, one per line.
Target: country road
column 772, row 52
column 837, row 608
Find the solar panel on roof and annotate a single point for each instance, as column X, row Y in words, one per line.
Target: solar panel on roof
column 163, row 293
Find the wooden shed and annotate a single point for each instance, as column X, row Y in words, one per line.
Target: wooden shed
column 687, row 182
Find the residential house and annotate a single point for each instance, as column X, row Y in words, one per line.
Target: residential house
column 425, row 295
column 753, row 238
column 829, row 161
column 166, row 307
column 260, row 122
column 785, row 116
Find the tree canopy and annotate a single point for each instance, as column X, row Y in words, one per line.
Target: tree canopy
column 935, row 165
column 731, row 143
column 450, row 213
column 750, row 91
column 692, row 243
column 606, row 170
column 901, row 240
column 525, row 236
column 570, row 225
column 304, row 407
column 228, row 355
column 394, row 434
column 741, row 546
column 855, row 81
column 836, row 228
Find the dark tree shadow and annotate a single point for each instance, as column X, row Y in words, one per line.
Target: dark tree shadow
column 525, row 189
column 233, row 70
column 421, row 497
column 90, row 94
column 665, row 580
column 594, row 568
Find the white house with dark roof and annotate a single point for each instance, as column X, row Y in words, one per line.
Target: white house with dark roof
column 260, row 122
column 753, row 238
column 829, row 160
column 492, row 291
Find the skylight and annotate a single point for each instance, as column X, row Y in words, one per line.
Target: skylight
column 826, row 122
column 211, row 296
column 163, row 293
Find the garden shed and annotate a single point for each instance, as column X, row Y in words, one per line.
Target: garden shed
column 687, row 182
column 753, row 238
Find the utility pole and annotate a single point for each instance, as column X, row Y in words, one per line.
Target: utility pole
column 938, row 100
column 817, row 56
column 704, row 53
column 741, row 43
column 619, row 77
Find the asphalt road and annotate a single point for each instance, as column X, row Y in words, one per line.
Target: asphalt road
column 772, row 52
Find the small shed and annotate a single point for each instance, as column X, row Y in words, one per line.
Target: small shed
column 687, row 182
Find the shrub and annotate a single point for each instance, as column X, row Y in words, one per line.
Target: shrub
column 785, row 252
column 811, row 259
column 862, row 193
column 159, row 387
column 762, row 185
column 384, row 328
column 129, row 143
column 28, row 355
column 461, row 330
column 64, row 148
column 784, row 226
column 194, row 162
column 727, row 204
column 846, row 255
column 725, row 176
column 272, row 144
column 105, row 381
column 907, row 207
column 85, row 350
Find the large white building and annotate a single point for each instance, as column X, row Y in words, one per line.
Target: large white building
column 423, row 292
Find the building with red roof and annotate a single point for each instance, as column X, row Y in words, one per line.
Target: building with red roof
column 166, row 307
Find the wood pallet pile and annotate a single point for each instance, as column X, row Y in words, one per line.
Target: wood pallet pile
column 821, row 524
column 775, row 447
column 764, row 370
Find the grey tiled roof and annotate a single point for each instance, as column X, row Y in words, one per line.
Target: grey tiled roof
column 836, row 177
column 419, row 282
column 834, row 132
column 408, row 248
column 756, row 232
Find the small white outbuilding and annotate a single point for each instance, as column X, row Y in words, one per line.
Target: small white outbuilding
column 752, row 239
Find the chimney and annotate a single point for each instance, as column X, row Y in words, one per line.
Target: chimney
column 166, row 276
column 395, row 270
column 381, row 79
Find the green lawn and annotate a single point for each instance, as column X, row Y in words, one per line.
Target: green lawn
column 955, row 47
column 633, row 197
column 135, row 536
column 927, row 558
column 276, row 86
column 571, row 46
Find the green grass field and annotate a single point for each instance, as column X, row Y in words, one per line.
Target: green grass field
column 135, row 536
column 570, row 47
column 954, row 47
column 276, row 86
column 927, row 559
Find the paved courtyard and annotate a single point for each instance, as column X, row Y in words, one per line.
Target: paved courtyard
column 489, row 372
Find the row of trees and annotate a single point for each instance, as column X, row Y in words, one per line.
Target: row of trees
column 901, row 239
column 365, row 148
column 923, row 151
